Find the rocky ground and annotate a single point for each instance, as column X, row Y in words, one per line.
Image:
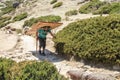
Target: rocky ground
column 23, row 47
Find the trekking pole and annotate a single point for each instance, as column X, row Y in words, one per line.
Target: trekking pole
column 36, row 41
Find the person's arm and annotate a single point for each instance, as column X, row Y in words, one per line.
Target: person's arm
column 52, row 34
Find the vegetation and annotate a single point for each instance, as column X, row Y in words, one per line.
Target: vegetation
column 7, row 9
column 71, row 12
column 58, row 4
column 95, row 39
column 5, row 65
column 49, row 18
column 53, row 1
column 10, row 70
column 109, row 9
column 4, row 21
column 1, row 5
column 20, row 17
column 40, row 71
column 91, row 6
column 98, row 7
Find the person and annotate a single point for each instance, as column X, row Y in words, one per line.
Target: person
column 41, row 36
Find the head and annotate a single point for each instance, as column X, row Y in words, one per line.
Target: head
column 46, row 27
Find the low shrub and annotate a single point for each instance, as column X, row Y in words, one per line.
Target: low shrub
column 53, row 1
column 108, row 9
column 4, row 21
column 40, row 71
column 7, row 10
column 20, row 17
column 71, row 12
column 58, row 4
column 5, row 65
column 98, row 7
column 91, row 6
column 30, row 22
column 10, row 70
column 95, row 39
column 49, row 18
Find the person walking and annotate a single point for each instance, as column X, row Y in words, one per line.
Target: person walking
column 41, row 37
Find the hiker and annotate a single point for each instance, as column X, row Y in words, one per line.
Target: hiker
column 41, row 36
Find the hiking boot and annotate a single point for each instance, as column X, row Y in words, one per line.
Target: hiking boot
column 43, row 54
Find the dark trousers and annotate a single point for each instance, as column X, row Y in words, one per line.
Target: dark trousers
column 42, row 43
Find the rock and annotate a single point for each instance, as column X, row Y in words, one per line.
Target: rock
column 116, row 67
column 99, row 76
column 88, row 75
column 75, row 74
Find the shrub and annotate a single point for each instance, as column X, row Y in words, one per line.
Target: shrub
column 30, row 22
column 7, row 10
column 58, row 4
column 49, row 18
column 97, row 7
column 4, row 21
column 108, row 9
column 5, row 65
column 8, row 3
column 94, row 39
column 10, row 70
column 53, row 1
column 40, row 71
column 20, row 17
column 72, row 12
column 91, row 6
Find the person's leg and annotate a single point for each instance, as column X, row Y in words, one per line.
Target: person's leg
column 40, row 45
column 44, row 45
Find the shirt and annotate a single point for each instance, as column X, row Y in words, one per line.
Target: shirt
column 42, row 33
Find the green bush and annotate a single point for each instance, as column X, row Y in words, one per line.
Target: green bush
column 4, row 21
column 7, row 9
column 108, row 9
column 97, row 7
column 20, row 17
column 95, row 39
column 91, row 6
column 53, row 1
column 40, row 71
column 8, row 3
column 5, row 65
column 49, row 18
column 71, row 12
column 28, row 70
column 30, row 22
column 58, row 4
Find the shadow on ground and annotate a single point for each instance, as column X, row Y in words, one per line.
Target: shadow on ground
column 49, row 56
